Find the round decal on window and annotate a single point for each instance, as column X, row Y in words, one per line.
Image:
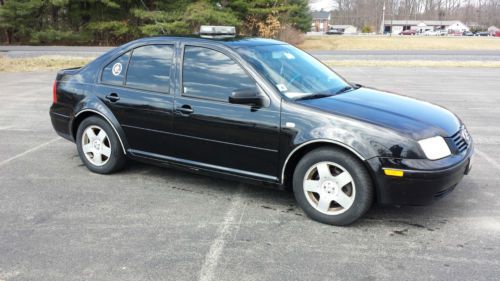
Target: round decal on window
column 117, row 69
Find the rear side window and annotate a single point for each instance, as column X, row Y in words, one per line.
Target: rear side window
column 114, row 72
column 211, row 74
column 149, row 68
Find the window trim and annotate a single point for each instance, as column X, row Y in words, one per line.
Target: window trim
column 216, row 49
column 131, row 50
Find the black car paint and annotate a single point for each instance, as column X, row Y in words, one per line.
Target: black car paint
column 263, row 143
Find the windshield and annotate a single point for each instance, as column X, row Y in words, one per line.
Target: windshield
column 295, row 73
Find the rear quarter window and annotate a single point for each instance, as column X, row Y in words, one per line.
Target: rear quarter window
column 114, row 72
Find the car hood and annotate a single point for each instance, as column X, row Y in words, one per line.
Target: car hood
column 405, row 115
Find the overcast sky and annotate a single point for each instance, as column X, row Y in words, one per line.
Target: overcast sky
column 317, row 5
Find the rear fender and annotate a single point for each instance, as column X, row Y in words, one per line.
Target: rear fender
column 95, row 107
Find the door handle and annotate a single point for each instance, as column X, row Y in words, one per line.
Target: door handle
column 113, row 97
column 185, row 109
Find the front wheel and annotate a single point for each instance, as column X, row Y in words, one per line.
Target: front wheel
column 332, row 186
column 99, row 147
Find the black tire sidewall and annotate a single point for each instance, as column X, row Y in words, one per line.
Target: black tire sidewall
column 363, row 184
column 117, row 158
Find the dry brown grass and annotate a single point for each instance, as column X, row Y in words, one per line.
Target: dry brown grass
column 397, row 42
column 40, row 63
column 60, row 62
column 411, row 63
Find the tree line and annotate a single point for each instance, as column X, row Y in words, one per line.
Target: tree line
column 109, row 22
column 368, row 13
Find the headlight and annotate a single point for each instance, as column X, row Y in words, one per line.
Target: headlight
column 435, row 148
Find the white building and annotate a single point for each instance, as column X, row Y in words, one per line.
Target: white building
column 457, row 27
column 397, row 26
column 347, row 29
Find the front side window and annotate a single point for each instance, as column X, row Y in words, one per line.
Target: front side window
column 294, row 73
column 149, row 68
column 114, row 72
column 211, row 74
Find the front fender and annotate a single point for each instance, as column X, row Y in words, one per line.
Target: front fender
column 367, row 139
column 302, row 126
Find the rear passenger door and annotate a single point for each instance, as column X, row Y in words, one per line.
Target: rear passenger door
column 136, row 86
column 214, row 133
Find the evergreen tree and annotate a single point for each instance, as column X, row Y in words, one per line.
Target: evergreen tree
column 20, row 18
column 117, row 21
column 259, row 15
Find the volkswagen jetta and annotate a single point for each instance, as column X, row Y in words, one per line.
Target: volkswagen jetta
column 260, row 110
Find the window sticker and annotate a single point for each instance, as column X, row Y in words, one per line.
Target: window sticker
column 117, row 69
column 281, row 87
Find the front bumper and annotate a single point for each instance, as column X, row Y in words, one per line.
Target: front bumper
column 419, row 186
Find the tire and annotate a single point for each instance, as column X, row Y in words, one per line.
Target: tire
column 320, row 180
column 101, row 153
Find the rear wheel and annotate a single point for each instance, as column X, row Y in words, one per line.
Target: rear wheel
column 332, row 186
column 99, row 147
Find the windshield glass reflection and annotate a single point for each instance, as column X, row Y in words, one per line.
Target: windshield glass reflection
column 293, row 72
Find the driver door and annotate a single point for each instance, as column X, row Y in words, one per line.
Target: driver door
column 213, row 133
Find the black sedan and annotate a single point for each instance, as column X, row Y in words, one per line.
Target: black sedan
column 260, row 110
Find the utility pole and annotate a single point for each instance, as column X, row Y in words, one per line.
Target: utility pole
column 392, row 17
column 382, row 25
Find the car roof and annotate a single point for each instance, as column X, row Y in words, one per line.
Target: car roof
column 229, row 42
column 232, row 42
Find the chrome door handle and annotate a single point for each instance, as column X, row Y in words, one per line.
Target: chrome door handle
column 113, row 97
column 185, row 109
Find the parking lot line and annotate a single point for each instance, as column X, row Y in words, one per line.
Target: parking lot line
column 28, row 151
column 489, row 159
column 224, row 231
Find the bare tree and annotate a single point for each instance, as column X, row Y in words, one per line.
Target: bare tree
column 369, row 12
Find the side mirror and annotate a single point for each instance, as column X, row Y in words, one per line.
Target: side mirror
column 249, row 96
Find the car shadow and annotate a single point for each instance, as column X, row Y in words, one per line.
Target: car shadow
column 275, row 199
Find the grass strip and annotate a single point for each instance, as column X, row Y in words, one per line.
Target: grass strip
column 41, row 63
column 420, row 43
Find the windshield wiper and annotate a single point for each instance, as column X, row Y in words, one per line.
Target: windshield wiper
column 343, row 90
column 325, row 95
column 314, row 96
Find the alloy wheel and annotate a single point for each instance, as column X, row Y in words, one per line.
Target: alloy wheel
column 329, row 188
column 96, row 145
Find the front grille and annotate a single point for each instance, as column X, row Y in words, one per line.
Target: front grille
column 459, row 142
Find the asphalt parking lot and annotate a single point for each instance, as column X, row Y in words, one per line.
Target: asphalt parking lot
column 58, row 221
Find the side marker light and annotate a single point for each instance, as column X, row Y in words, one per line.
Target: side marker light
column 393, row 173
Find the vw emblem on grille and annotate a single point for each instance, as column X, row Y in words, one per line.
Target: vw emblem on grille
column 465, row 135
